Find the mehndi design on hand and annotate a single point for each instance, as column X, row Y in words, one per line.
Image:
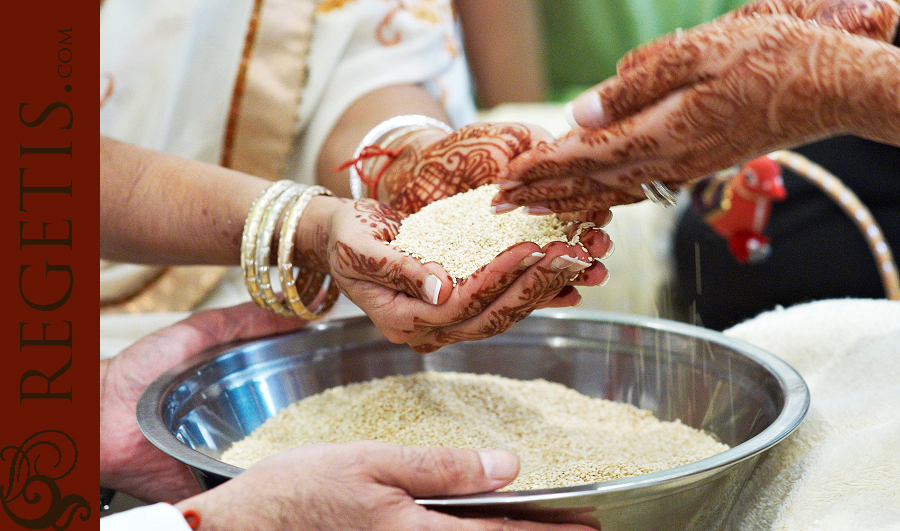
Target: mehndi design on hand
column 768, row 76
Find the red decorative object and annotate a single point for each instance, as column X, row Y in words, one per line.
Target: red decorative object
column 737, row 203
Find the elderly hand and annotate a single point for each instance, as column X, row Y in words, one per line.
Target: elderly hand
column 768, row 76
column 128, row 462
column 359, row 486
column 416, row 303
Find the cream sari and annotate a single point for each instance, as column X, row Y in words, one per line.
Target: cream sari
column 256, row 85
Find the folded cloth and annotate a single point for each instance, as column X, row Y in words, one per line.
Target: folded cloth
column 840, row 469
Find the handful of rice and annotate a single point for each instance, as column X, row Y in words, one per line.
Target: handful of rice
column 461, row 233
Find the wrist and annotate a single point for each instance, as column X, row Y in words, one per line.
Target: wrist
column 374, row 144
column 392, row 178
column 268, row 251
column 199, row 515
column 315, row 230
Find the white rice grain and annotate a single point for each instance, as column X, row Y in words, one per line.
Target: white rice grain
column 562, row 437
column 461, row 233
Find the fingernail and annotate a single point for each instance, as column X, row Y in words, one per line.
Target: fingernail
column 567, row 262
column 609, row 218
column 509, row 185
column 609, row 250
column 537, row 211
column 502, row 208
column 578, row 302
column 605, row 280
column 567, row 112
column 532, row 259
column 585, row 111
column 433, row 288
column 499, row 464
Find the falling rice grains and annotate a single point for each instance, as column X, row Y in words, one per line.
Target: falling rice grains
column 461, row 233
column 562, row 437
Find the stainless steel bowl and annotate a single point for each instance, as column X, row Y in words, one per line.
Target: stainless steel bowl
column 746, row 397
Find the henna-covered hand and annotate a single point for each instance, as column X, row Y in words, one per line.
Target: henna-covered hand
column 418, row 304
column 770, row 75
column 435, row 165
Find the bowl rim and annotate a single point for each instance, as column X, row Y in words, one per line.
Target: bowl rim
column 796, row 404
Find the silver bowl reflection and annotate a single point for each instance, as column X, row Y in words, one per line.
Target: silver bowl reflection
column 746, row 397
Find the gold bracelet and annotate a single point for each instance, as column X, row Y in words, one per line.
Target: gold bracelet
column 264, row 248
column 308, row 303
column 249, row 265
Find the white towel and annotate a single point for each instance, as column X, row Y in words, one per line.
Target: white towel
column 840, row 469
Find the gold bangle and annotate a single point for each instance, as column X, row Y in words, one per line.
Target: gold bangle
column 313, row 281
column 264, row 248
column 249, row 237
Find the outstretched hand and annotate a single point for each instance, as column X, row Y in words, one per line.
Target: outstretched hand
column 768, row 76
column 436, row 165
column 128, row 461
column 416, row 303
column 363, row 485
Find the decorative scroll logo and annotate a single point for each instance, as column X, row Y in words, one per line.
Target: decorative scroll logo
column 32, row 498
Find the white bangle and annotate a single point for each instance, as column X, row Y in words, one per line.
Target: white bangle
column 375, row 137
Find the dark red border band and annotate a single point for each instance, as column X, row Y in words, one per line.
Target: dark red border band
column 49, row 156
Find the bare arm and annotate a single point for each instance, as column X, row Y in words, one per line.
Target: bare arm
column 359, row 119
column 504, row 47
column 158, row 208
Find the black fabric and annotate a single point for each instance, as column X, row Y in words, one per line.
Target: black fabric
column 817, row 251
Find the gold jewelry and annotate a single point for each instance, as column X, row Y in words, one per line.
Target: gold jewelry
column 249, row 238
column 308, row 303
column 318, row 293
column 264, row 247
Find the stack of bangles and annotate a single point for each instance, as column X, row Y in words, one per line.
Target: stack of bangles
column 381, row 146
column 306, row 292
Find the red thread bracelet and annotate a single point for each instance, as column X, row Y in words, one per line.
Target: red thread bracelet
column 192, row 518
column 369, row 152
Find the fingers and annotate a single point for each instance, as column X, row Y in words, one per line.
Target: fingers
column 875, row 19
column 579, row 175
column 427, row 472
column 501, row 293
column 386, row 266
column 442, row 471
column 600, row 247
column 645, row 75
column 868, row 18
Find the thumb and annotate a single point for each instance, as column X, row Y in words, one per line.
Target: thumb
column 645, row 75
column 440, row 471
column 385, row 265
